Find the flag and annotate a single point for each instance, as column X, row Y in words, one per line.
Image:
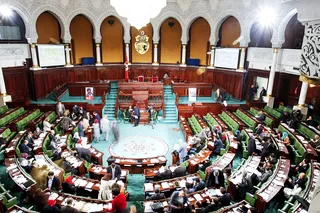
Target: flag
column 126, row 73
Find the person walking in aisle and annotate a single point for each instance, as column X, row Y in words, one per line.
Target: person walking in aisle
column 105, row 127
column 115, row 131
column 96, row 130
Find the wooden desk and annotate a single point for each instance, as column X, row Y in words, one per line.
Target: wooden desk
column 168, row 185
column 18, row 209
column 311, row 152
column 128, row 87
column 86, row 186
column 137, row 166
column 223, row 162
column 251, row 163
column 199, row 158
column 153, row 173
column 274, row 185
column 75, row 162
column 18, row 175
column 78, row 88
column 97, row 172
column 11, row 148
column 96, row 156
column 185, row 128
column 182, row 89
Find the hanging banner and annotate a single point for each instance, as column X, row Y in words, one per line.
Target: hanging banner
column 192, row 94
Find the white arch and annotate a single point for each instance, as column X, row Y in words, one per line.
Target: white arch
column 283, row 24
column 26, row 17
column 125, row 24
column 189, row 22
column 56, row 13
column 158, row 21
column 89, row 16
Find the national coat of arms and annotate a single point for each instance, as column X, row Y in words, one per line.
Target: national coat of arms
column 142, row 45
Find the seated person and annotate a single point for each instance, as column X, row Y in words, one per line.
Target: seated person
column 214, row 205
column 315, row 142
column 83, row 153
column 278, row 134
column 252, row 149
column 300, row 168
column 3, row 141
column 51, row 207
column 157, row 196
column 199, row 185
column 190, row 188
column 166, row 174
column 67, row 167
column 68, row 186
column 238, row 136
column 245, row 185
column 215, row 179
column 285, row 138
column 261, row 117
column 46, row 125
column 179, row 171
column 271, row 159
column 205, row 165
column 265, row 175
column 30, row 140
column 52, row 136
column 25, row 163
column 259, row 129
column 57, row 154
column 225, row 198
column 295, row 187
column 218, row 145
column 36, row 133
column 24, row 148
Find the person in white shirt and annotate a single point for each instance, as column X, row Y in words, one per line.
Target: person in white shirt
column 60, row 109
column 46, row 125
column 182, row 150
column 105, row 127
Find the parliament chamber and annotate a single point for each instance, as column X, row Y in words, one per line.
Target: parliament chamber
column 159, row 106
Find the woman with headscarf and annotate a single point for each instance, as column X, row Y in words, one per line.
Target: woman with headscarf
column 25, row 163
column 51, row 207
column 238, row 136
column 81, row 129
column 115, row 131
column 96, row 130
column 285, row 138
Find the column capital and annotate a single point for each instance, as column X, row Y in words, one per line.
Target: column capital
column 98, row 44
column 127, row 44
column 33, row 45
column 155, row 45
column 184, row 45
column 243, row 49
column 275, row 49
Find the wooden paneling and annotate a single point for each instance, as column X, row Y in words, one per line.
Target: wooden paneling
column 182, row 89
column 16, row 80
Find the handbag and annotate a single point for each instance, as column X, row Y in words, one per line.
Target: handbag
column 157, row 206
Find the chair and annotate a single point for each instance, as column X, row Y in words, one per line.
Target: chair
column 140, row 78
column 154, row 79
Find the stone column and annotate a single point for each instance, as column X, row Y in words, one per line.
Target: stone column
column 242, row 58
column 303, row 93
column 269, row 98
column 183, row 55
column 67, row 50
column 98, row 54
column 3, row 92
column 212, row 54
column 155, row 55
column 34, row 57
column 128, row 52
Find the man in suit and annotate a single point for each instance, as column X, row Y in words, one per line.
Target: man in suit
column 218, row 145
column 262, row 93
column 215, row 178
column 96, row 116
column 166, row 174
column 157, row 195
column 136, row 114
column 115, row 171
column 24, row 148
column 199, row 185
column 60, row 109
column 30, row 140
column 225, row 198
column 53, row 183
column 182, row 150
column 264, row 177
column 83, row 153
column 68, row 208
column 179, row 172
column 261, row 117
column 251, row 145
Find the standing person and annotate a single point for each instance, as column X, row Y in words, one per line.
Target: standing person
column 115, row 171
column 151, row 112
column 96, row 116
column 60, row 109
column 46, row 125
column 105, row 127
column 105, row 187
column 262, row 93
column 85, row 123
column 53, row 183
column 96, row 130
column 65, row 123
column 251, row 93
column 81, row 129
column 182, row 150
column 51, row 207
column 115, row 131
column 136, row 114
column 178, row 201
column 119, row 203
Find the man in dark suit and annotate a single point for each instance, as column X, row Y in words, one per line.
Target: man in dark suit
column 53, row 183
column 251, row 145
column 262, row 93
column 115, row 171
column 167, row 174
column 24, row 148
column 218, row 145
column 261, row 117
column 215, row 178
column 30, row 140
column 136, row 115
column 84, row 153
column 225, row 198
column 68, row 208
column 199, row 185
column 179, row 172
column 157, row 195
column 96, row 116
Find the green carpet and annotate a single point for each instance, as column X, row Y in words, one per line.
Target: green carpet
column 136, row 187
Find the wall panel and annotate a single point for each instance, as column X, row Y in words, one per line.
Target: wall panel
column 230, row 31
column 47, row 27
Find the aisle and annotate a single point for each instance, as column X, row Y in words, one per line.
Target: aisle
column 136, row 190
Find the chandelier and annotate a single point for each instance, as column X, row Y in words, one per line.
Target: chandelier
column 138, row 12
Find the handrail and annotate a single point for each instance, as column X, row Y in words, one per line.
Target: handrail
column 163, row 105
column 116, row 107
column 62, row 90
